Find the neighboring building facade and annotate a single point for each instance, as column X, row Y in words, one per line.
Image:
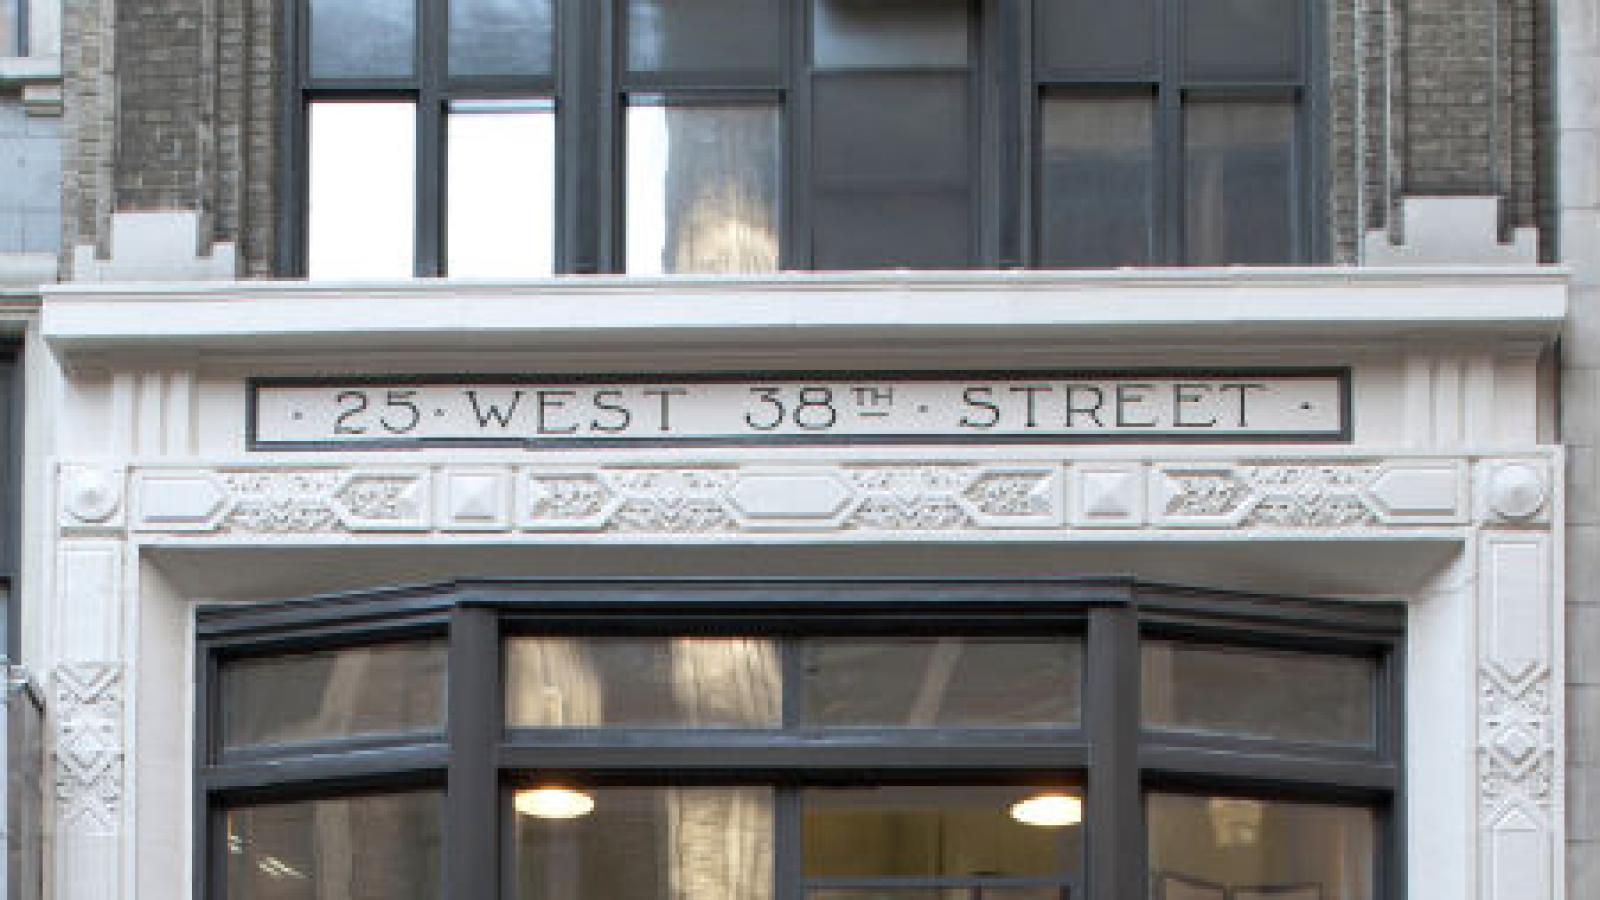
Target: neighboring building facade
column 994, row 449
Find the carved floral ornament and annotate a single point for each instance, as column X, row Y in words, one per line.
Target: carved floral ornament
column 843, row 497
column 1503, row 505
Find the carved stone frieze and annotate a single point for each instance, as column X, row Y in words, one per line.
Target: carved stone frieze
column 87, row 708
column 1279, row 494
column 1517, row 756
column 1300, row 494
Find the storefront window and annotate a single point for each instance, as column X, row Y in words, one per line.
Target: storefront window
column 928, row 743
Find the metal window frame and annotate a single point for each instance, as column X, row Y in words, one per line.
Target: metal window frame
column 478, row 761
column 589, row 83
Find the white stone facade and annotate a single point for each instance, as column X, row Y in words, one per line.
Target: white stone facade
column 1450, row 497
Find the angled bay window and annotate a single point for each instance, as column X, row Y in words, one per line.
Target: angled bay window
column 783, row 740
column 518, row 138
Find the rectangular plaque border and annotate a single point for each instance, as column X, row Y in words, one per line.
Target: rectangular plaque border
column 255, row 384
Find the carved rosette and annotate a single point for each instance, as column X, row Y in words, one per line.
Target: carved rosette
column 87, row 701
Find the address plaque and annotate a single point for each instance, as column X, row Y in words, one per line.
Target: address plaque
column 800, row 408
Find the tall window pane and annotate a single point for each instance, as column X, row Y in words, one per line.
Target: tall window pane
column 702, row 187
column 501, row 193
column 10, row 34
column 1259, row 693
column 892, row 162
column 688, row 36
column 362, row 216
column 1096, row 181
column 1239, row 183
column 362, row 38
column 688, row 843
column 1233, row 848
column 377, row 847
column 557, row 682
column 500, row 37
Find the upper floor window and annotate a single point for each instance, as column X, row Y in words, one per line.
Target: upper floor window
column 511, row 138
column 12, row 27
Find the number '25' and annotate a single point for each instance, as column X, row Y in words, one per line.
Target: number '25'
column 400, row 415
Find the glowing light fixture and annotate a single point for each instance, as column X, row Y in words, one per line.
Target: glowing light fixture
column 553, row 803
column 1049, row 810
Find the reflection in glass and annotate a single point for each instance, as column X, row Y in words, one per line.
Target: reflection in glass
column 378, row 847
column 1258, row 693
column 501, row 188
column 1258, row 849
column 331, row 694
column 500, row 37
column 942, row 682
column 671, row 843
column 889, row 33
column 362, row 38
column 702, row 188
column 362, row 209
column 687, row 36
column 555, row 682
column 1241, row 40
column 1238, row 191
column 1097, row 190
column 10, row 37
column 929, row 832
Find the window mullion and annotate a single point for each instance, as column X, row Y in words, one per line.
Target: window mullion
column 472, row 847
column 433, row 29
column 1113, row 807
column 1169, row 133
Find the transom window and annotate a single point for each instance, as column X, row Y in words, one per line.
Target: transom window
column 513, row 138
column 753, row 740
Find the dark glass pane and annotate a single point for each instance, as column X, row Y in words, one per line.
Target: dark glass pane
column 887, row 33
column 1097, row 181
column 362, row 38
column 649, row 843
column 502, row 188
column 930, row 832
column 1239, row 191
column 942, row 682
column 500, row 37
column 1085, row 37
column 380, row 847
column 361, row 213
column 1241, row 849
column 892, row 172
column 988, row 892
column 702, row 187
column 704, row 35
column 1259, row 693
column 1241, row 40
column 383, row 689
column 554, row 682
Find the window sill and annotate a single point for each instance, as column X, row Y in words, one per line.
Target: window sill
column 29, row 69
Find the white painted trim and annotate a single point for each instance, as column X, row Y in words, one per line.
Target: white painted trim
column 1230, row 305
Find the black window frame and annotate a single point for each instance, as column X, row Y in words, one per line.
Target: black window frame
column 590, row 85
column 476, row 762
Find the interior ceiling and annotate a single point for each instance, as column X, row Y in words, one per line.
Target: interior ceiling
column 1382, row 569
